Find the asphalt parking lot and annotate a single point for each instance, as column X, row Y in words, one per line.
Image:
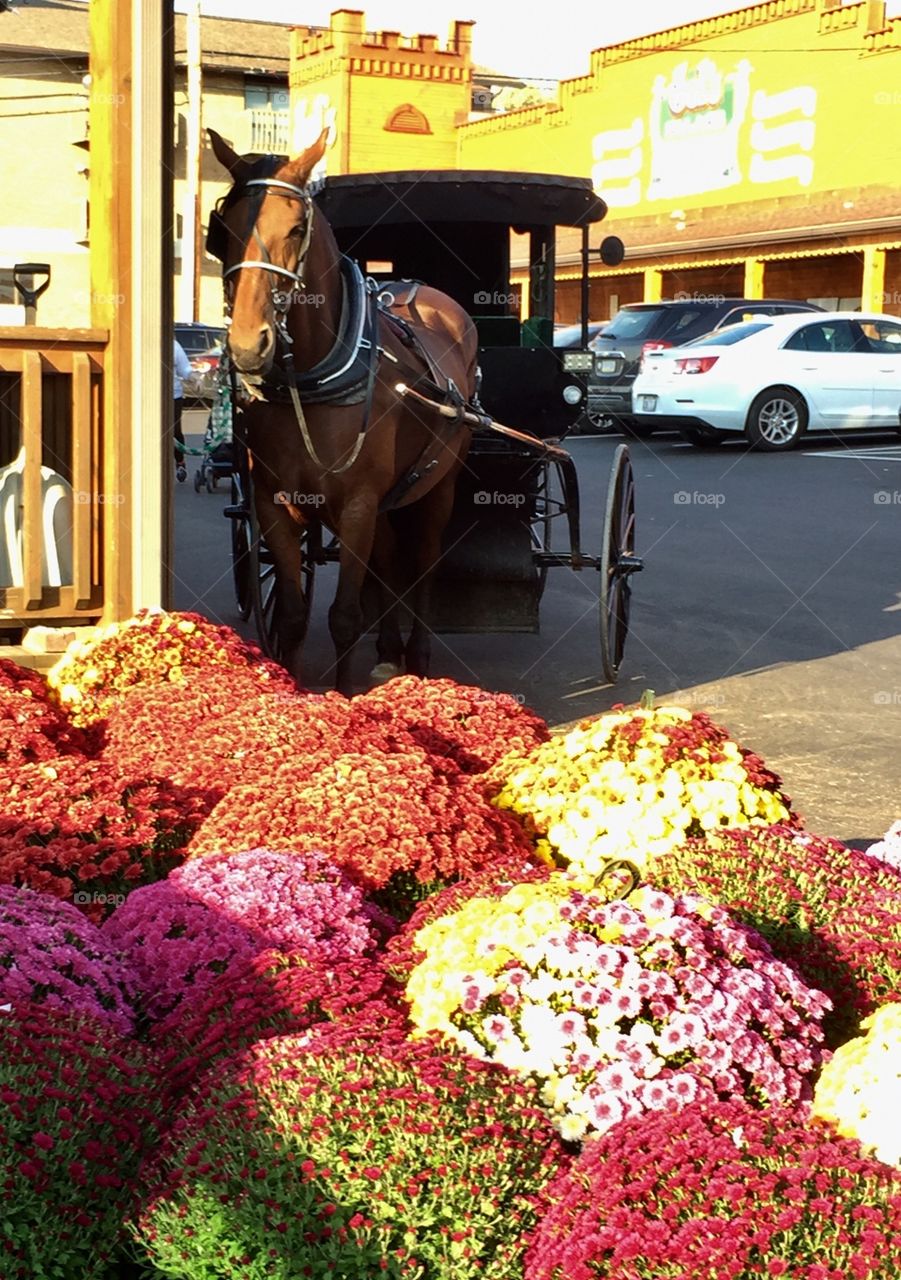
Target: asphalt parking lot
column 770, row 597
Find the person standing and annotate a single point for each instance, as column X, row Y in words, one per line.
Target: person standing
column 181, row 369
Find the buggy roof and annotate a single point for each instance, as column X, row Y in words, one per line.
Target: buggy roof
column 460, row 195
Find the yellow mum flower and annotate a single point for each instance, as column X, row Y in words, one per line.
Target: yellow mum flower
column 632, row 785
column 859, row 1088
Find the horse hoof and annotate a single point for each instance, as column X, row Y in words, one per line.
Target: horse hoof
column 385, row 671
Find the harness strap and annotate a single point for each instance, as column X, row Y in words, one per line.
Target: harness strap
column 370, row 390
column 426, row 462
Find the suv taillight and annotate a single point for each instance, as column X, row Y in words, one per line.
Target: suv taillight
column 650, row 346
column 694, row 364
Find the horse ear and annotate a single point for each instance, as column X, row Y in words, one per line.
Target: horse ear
column 301, row 167
column 228, row 158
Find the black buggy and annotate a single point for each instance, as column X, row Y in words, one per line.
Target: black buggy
column 452, row 230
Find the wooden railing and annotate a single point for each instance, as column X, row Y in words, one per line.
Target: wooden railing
column 51, row 384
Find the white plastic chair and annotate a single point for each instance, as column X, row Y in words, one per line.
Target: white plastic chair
column 56, row 526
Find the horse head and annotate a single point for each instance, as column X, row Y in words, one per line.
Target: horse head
column 264, row 232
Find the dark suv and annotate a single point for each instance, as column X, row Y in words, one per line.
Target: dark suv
column 649, row 326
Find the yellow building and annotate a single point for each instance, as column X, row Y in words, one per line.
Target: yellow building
column 753, row 153
column 749, row 153
column 390, row 101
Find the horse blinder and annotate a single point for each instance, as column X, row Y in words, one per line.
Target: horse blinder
column 217, row 236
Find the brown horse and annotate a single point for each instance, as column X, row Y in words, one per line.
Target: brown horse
column 332, row 435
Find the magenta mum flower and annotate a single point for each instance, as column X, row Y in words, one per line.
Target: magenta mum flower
column 51, row 954
column 182, row 934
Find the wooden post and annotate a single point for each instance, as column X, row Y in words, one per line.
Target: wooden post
column 754, row 277
column 872, row 287
column 130, row 202
column 110, row 131
column 653, row 284
column 191, row 248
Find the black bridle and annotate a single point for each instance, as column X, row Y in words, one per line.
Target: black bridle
column 263, row 183
column 352, row 377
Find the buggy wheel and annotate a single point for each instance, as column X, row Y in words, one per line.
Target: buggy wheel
column 210, row 480
column 618, row 562
column 541, row 525
column 262, row 588
column 198, row 481
column 241, row 540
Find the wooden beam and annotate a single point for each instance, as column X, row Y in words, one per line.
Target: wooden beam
column 111, row 125
column 653, row 284
column 151, row 316
column 754, row 278
column 32, row 503
column 81, row 480
column 130, row 122
column 872, row 286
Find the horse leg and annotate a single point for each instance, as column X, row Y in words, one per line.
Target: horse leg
column 433, row 512
column 282, row 537
column 390, row 643
column 345, row 617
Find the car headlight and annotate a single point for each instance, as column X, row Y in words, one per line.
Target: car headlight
column 578, row 361
column 572, row 394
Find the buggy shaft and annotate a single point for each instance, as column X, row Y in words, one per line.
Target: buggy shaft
column 473, row 419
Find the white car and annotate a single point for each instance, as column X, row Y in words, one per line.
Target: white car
column 773, row 378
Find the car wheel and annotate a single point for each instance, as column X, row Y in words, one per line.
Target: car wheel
column 776, row 420
column 702, row 439
column 600, row 420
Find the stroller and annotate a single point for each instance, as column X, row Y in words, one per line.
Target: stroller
column 217, row 459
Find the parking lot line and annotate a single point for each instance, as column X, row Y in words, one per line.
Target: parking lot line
column 877, row 453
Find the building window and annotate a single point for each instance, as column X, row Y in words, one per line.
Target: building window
column 8, row 293
column 265, row 94
column 407, row 119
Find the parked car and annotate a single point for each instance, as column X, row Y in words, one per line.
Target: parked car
column 774, row 378
column 202, row 344
column 640, row 327
column 568, row 337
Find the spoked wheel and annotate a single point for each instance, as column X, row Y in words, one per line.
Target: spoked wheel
column 242, row 536
column 618, row 562
column 262, row 587
column 548, row 504
column 776, row 420
column 601, row 421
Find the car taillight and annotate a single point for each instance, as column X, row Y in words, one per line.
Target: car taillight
column 647, row 347
column 694, row 364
